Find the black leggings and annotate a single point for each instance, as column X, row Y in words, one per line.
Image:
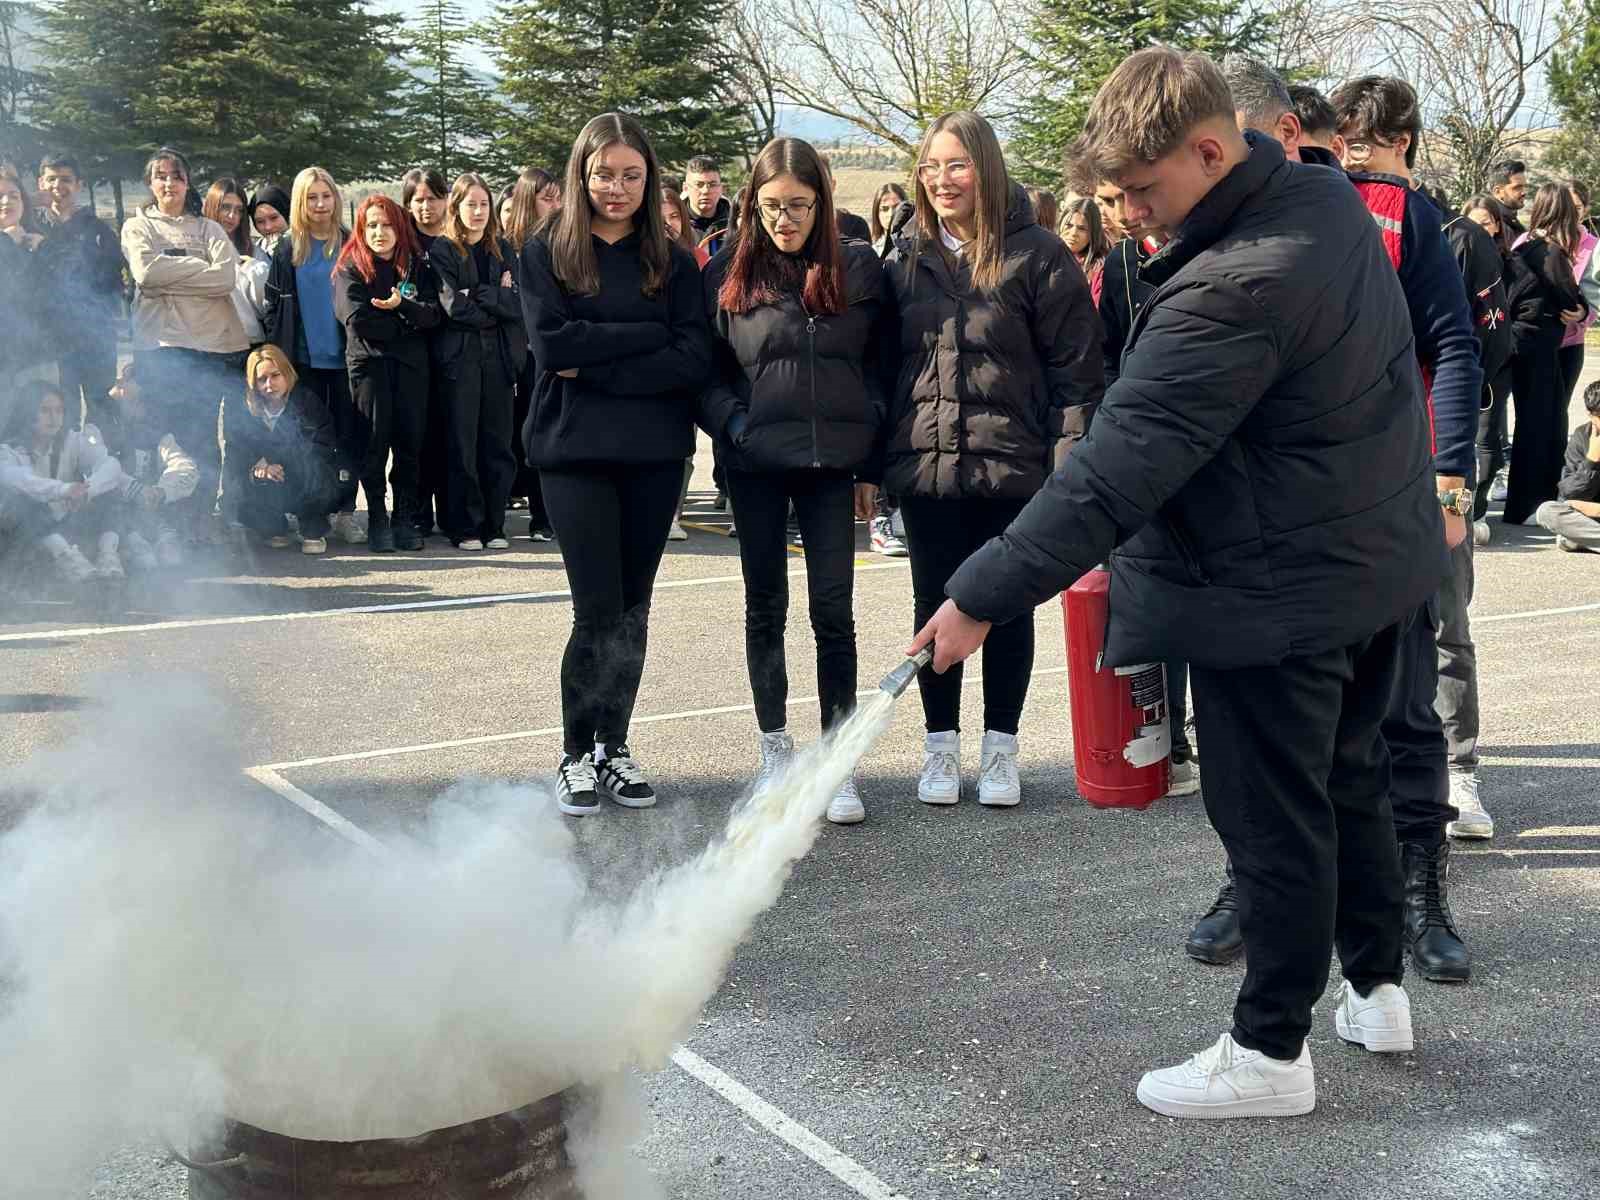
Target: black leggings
column 612, row 524
column 1570, row 361
column 395, row 397
column 824, row 503
column 941, row 534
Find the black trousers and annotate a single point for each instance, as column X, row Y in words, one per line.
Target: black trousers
column 824, row 504
column 1295, row 777
column 481, row 465
column 1420, row 777
column 940, row 535
column 1178, row 708
column 526, row 482
column 350, row 430
column 396, row 398
column 309, row 498
column 186, row 390
column 435, row 462
column 1569, row 361
column 87, row 374
column 1491, row 440
column 612, row 526
column 1540, row 400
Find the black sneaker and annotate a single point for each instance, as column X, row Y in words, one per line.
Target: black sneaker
column 575, row 790
column 622, row 780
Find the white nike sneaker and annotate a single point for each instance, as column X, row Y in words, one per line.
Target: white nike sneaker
column 846, row 808
column 941, row 769
column 1380, row 1020
column 777, row 749
column 1473, row 820
column 1226, row 1080
column 998, row 785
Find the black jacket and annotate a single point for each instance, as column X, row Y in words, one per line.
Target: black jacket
column 1483, row 271
column 1122, row 295
column 1580, row 478
column 790, row 392
column 642, row 361
column 301, row 441
column 853, row 227
column 397, row 333
column 1542, row 288
column 29, row 332
column 1263, row 460
column 991, row 389
column 711, row 232
column 83, row 259
column 476, row 311
column 282, row 322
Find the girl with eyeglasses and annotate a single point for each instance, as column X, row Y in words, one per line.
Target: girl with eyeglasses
column 226, row 204
column 619, row 331
column 1000, row 369
column 479, row 350
column 796, row 405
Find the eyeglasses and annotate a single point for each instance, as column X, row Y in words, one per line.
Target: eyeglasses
column 958, row 169
column 705, row 185
column 630, row 182
column 795, row 210
column 1360, row 152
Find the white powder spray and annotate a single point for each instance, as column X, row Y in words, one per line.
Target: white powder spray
column 178, row 947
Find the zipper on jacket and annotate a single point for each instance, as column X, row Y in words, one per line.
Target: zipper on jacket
column 811, row 336
column 1191, row 561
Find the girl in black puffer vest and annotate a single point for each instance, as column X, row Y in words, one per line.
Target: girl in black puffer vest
column 1000, row 369
column 797, row 406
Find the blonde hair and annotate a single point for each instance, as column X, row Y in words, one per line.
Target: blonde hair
column 1147, row 106
column 300, row 221
column 265, row 353
column 977, row 137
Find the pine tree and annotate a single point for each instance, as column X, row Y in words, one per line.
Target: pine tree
column 19, row 85
column 448, row 111
column 1575, row 91
column 565, row 61
column 257, row 89
column 1076, row 44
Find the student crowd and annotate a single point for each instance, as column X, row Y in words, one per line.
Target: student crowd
column 926, row 370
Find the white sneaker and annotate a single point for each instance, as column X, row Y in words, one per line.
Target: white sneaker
column 1498, row 489
column 1226, row 1080
column 471, row 545
column 777, row 748
column 846, row 807
column 497, row 543
column 882, row 538
column 1185, row 779
column 1480, row 533
column 348, row 529
column 677, row 533
column 140, row 554
column 73, row 566
column 313, row 545
column 1474, row 820
column 941, row 769
column 169, row 550
column 1380, row 1021
column 109, row 564
column 279, row 541
column 998, row 785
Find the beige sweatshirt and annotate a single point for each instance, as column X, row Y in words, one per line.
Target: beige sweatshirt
column 186, row 269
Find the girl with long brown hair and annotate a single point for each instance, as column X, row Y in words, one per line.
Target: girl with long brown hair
column 618, row 327
column 1544, row 299
column 387, row 298
column 1000, row 371
column 796, row 406
column 479, row 350
column 226, row 204
column 1085, row 235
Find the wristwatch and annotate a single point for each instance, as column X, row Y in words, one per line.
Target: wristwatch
column 1457, row 500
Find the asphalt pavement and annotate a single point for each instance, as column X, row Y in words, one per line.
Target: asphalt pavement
column 958, row 1001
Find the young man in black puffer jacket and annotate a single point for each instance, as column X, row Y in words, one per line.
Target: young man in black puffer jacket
column 1264, row 465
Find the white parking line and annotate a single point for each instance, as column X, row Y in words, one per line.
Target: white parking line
column 97, row 631
column 1538, row 612
column 836, row 1163
column 517, row 735
column 346, row 829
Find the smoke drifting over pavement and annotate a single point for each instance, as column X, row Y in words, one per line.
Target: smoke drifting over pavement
column 180, row 947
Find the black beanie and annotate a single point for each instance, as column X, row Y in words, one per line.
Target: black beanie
column 274, row 196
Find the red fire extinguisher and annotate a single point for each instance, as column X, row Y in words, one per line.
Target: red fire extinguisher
column 1121, row 739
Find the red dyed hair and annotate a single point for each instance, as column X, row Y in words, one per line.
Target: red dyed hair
column 760, row 271
column 357, row 255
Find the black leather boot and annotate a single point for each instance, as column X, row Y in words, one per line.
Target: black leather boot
column 1215, row 937
column 1437, row 951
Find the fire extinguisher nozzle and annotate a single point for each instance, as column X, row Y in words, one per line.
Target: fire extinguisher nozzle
column 899, row 679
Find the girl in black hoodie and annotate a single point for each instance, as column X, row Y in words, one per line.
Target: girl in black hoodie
column 623, row 349
column 1000, row 369
column 387, row 299
column 479, row 350
column 796, row 407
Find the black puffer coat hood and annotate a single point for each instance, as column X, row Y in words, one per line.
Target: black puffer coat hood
column 991, row 389
column 793, row 391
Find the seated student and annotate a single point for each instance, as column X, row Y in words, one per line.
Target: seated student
column 160, row 474
column 59, row 488
column 1575, row 517
column 282, row 455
